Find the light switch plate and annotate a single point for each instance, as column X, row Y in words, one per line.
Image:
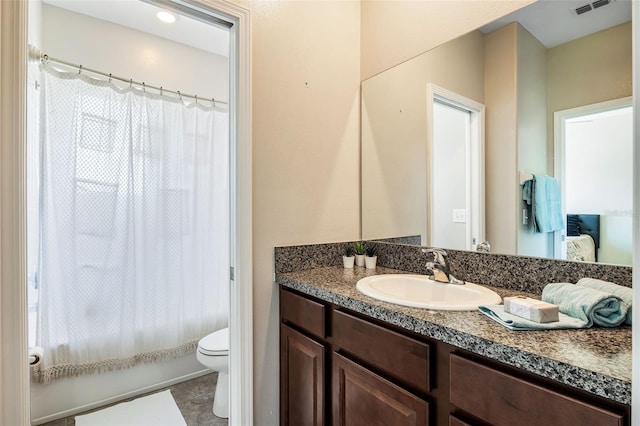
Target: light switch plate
column 459, row 216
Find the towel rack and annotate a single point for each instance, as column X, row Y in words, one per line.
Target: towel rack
column 524, row 176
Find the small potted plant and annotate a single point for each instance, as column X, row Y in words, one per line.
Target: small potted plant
column 359, row 250
column 348, row 257
column 371, row 256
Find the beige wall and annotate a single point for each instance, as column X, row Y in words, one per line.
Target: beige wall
column 394, row 133
column 589, row 70
column 394, row 31
column 532, row 133
column 306, row 78
column 500, row 138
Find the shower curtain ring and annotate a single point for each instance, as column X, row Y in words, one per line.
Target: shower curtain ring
column 213, row 101
column 45, row 58
column 109, row 77
column 160, row 90
column 79, row 69
column 130, row 83
column 196, row 96
column 144, row 87
column 179, row 95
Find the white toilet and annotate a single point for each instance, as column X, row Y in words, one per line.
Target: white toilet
column 213, row 353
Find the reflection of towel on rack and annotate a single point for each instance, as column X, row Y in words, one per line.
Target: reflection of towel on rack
column 542, row 193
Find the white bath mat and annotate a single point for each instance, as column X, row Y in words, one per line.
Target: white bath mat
column 158, row 409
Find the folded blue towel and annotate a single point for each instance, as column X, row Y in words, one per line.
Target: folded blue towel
column 547, row 209
column 513, row 322
column 624, row 293
column 587, row 304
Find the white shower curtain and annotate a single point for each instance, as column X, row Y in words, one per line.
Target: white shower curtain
column 134, row 259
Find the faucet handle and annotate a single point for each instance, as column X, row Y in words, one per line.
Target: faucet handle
column 439, row 255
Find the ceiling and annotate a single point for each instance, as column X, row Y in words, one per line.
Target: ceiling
column 554, row 22
column 141, row 16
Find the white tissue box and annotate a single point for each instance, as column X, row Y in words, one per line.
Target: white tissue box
column 531, row 309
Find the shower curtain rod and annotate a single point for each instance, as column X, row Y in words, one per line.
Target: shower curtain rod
column 35, row 53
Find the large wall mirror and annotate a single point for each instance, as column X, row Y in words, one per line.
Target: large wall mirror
column 450, row 136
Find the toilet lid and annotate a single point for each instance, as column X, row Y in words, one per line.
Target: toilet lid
column 216, row 343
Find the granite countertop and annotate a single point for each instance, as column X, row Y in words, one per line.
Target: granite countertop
column 597, row 360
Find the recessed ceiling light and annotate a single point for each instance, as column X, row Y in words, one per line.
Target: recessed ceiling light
column 167, row 17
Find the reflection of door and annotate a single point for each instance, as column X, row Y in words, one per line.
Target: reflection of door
column 594, row 148
column 456, row 200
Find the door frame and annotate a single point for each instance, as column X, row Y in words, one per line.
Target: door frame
column 635, row 338
column 475, row 198
column 559, row 154
column 14, row 370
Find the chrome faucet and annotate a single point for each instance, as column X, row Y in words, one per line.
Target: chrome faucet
column 484, row 247
column 439, row 267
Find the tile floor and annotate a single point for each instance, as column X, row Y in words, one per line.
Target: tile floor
column 194, row 399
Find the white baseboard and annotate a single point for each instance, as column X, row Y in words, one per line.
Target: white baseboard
column 116, row 398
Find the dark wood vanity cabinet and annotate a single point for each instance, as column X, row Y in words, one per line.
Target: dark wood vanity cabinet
column 345, row 369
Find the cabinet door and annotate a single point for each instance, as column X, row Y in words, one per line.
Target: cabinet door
column 301, row 379
column 361, row 397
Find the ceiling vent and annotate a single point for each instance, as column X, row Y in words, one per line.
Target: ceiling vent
column 590, row 6
column 583, row 9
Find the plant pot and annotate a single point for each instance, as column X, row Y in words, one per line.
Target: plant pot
column 347, row 261
column 370, row 262
column 359, row 259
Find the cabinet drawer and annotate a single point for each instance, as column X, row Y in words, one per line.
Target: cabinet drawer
column 501, row 399
column 302, row 312
column 399, row 356
column 362, row 398
column 454, row 421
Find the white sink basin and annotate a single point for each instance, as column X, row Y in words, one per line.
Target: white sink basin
column 419, row 291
